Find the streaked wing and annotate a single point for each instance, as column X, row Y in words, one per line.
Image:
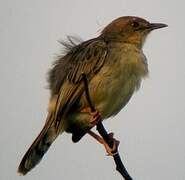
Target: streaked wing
column 88, row 58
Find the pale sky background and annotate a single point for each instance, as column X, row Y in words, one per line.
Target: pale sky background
column 151, row 128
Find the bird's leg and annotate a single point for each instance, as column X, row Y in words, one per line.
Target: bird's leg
column 110, row 151
column 119, row 165
column 95, row 116
column 96, row 119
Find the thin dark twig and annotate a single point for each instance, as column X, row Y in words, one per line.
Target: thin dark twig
column 102, row 131
column 117, row 159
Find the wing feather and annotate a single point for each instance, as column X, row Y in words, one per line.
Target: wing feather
column 88, row 58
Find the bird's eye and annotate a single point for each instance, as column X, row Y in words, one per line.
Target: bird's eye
column 135, row 24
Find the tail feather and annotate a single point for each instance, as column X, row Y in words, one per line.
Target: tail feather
column 39, row 147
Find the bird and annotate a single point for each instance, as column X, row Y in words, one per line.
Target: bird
column 114, row 65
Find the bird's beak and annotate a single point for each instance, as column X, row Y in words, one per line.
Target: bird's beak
column 153, row 26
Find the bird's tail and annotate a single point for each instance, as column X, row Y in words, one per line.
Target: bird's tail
column 39, row 147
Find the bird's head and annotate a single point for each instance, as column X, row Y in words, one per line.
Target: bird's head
column 129, row 29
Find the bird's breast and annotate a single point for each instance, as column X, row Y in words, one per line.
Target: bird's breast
column 115, row 83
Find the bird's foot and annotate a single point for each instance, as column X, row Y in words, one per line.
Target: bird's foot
column 95, row 116
column 111, row 151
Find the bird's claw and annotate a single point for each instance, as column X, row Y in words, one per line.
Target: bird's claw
column 95, row 116
column 111, row 151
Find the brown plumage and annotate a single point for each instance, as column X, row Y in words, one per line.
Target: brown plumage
column 114, row 65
